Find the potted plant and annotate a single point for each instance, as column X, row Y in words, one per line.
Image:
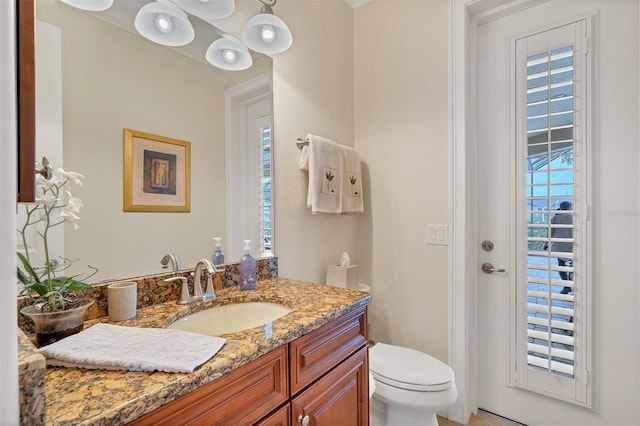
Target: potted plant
column 57, row 312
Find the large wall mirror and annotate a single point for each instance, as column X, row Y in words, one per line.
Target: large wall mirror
column 93, row 80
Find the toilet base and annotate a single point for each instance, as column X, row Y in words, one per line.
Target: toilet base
column 381, row 414
column 391, row 406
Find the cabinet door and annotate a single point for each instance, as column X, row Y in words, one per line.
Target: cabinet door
column 339, row 398
column 280, row 417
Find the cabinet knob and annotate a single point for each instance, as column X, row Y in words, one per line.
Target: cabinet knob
column 304, row 420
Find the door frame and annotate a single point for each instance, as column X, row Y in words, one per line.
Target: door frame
column 464, row 18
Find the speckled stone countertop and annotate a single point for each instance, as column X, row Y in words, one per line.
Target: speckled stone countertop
column 101, row 397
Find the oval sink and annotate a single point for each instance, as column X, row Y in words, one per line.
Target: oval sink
column 230, row 318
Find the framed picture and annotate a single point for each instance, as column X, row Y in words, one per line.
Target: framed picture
column 156, row 173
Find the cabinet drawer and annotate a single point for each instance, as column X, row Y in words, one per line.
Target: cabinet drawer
column 339, row 398
column 314, row 354
column 243, row 396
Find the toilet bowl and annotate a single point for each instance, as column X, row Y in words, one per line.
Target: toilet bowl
column 409, row 387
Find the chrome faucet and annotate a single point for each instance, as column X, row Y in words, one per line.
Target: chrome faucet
column 174, row 262
column 184, row 291
column 198, row 295
column 209, row 292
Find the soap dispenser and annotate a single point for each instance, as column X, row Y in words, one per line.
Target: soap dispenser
column 218, row 255
column 247, row 269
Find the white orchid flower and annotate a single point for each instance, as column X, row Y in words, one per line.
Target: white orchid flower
column 71, row 217
column 75, row 176
column 43, row 183
column 74, row 204
column 46, row 198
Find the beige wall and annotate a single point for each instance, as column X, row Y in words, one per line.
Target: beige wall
column 313, row 93
column 401, row 135
column 113, row 79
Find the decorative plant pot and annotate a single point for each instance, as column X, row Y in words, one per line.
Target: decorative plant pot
column 53, row 326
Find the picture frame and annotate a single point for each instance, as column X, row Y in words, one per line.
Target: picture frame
column 157, row 173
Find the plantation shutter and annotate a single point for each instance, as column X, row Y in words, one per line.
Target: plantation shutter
column 551, row 137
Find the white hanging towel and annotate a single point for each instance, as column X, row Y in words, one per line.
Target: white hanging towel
column 351, row 181
column 324, row 163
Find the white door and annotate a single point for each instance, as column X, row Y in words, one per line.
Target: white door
column 532, row 154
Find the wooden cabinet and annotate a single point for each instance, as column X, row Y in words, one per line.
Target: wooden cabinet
column 330, row 374
column 341, row 397
column 322, row 378
column 243, row 396
column 280, row 417
column 313, row 354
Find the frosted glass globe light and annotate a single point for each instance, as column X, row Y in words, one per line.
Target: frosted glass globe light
column 90, row 5
column 163, row 23
column 268, row 34
column 229, row 55
column 259, row 26
column 207, row 9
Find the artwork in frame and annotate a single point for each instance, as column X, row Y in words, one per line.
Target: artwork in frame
column 156, row 173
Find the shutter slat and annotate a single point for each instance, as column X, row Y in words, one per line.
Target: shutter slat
column 563, row 325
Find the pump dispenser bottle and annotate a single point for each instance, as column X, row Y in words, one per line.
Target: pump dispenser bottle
column 218, row 255
column 247, row 269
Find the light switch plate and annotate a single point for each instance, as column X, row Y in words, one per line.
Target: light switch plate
column 437, row 234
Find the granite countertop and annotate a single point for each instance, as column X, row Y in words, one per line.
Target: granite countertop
column 101, row 397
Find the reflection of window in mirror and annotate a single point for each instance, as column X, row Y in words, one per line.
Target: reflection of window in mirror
column 249, row 115
column 265, row 218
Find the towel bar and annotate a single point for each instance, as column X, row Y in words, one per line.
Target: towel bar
column 301, row 142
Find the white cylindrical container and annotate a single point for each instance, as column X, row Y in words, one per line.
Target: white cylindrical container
column 122, row 300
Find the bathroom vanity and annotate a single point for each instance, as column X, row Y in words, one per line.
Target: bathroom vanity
column 320, row 377
column 310, row 366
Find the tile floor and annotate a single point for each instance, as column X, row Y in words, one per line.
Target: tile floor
column 483, row 418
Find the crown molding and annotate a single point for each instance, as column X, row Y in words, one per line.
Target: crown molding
column 356, row 3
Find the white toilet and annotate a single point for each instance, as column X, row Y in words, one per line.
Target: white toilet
column 410, row 386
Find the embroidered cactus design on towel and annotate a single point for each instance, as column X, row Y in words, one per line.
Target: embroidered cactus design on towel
column 353, row 180
column 354, row 187
column 328, row 184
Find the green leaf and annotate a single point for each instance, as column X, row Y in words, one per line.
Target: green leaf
column 68, row 284
column 28, row 268
column 22, row 277
column 39, row 288
column 45, row 162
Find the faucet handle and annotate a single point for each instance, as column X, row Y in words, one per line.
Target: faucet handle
column 210, row 291
column 184, row 289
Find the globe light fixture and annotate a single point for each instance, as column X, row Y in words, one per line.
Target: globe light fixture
column 266, row 33
column 207, row 9
column 90, row 5
column 164, row 23
column 228, row 53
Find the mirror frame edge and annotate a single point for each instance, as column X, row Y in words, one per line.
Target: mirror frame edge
column 26, row 94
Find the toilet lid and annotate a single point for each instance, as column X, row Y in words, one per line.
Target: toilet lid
column 409, row 369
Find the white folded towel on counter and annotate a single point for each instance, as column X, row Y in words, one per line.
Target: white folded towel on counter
column 114, row 347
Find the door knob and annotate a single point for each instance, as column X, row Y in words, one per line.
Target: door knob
column 304, row 420
column 488, row 268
